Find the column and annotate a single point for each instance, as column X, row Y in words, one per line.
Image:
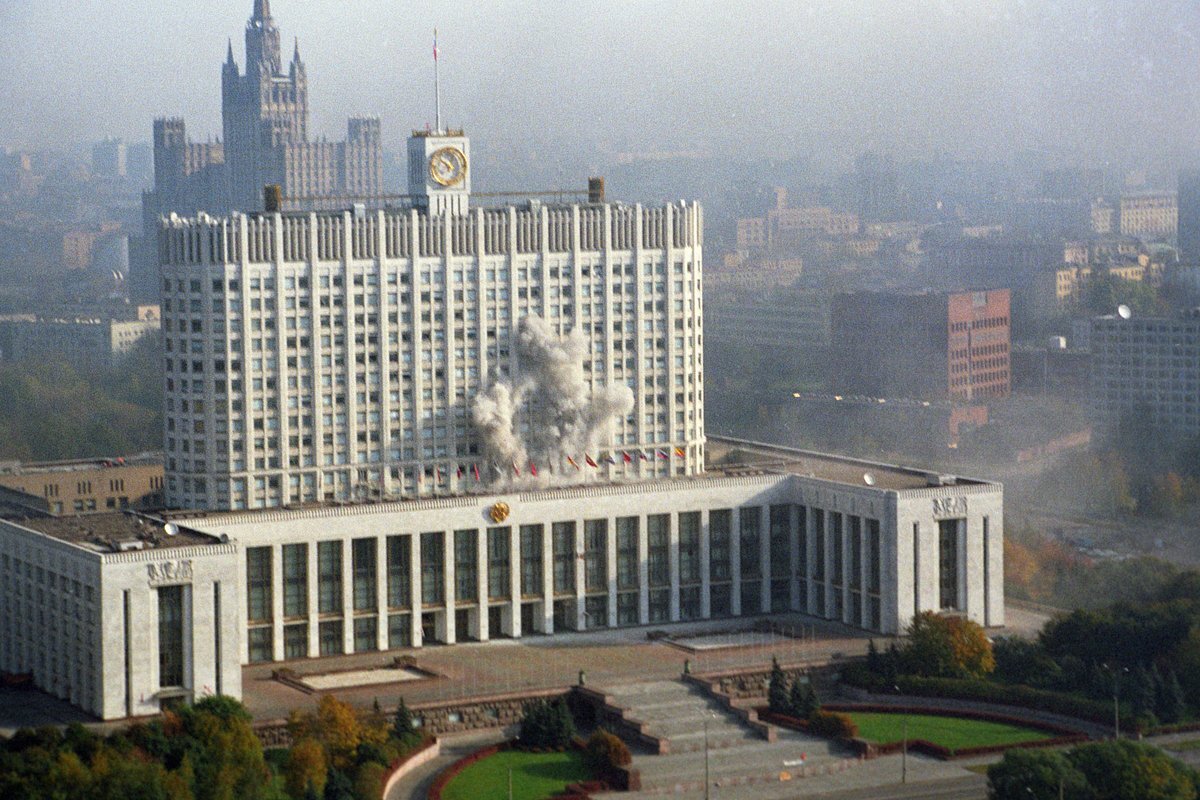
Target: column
column 610, row 560
column 449, row 618
column 864, row 612
column 347, row 595
column 548, row 577
column 414, row 582
column 514, row 582
column 643, row 545
column 312, row 587
column 794, row 523
column 381, row 593
column 764, row 557
column 673, row 560
column 277, row 602
column 482, row 590
column 580, row 588
column 705, row 568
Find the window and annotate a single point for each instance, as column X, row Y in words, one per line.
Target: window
column 658, row 545
column 260, row 644
column 433, row 568
column 330, row 634
column 295, row 640
column 399, row 572
column 329, row 577
column 781, row 544
column 838, row 551
column 595, row 555
column 170, row 636
column 499, row 569
column 563, row 540
column 719, row 544
column 366, row 634
column 689, row 549
column 295, row 580
column 466, row 566
column 819, row 537
column 258, row 584
column 627, row 559
column 751, row 542
column 531, row 560
column 948, row 563
column 363, row 563
column 399, row 631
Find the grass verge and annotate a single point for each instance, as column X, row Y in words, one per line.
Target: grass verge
column 535, row 776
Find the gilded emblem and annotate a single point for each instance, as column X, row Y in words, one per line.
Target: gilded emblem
column 499, row 512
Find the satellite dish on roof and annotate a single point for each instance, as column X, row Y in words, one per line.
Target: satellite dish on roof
column 868, row 479
column 171, row 529
column 1124, row 311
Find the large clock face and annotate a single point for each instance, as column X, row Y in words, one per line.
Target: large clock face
column 448, row 166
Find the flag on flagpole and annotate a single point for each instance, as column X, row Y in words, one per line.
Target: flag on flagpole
column 435, row 47
column 573, row 462
column 589, row 460
column 679, row 452
column 611, row 460
column 475, row 469
column 437, row 472
column 663, row 455
column 628, row 458
column 533, row 469
column 642, row 456
column 459, row 473
column 516, row 469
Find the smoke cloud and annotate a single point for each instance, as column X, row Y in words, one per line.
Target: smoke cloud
column 547, row 409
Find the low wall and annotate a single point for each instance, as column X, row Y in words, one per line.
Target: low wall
column 743, row 684
column 428, row 752
column 864, row 749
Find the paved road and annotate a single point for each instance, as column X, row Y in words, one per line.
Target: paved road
column 416, row 785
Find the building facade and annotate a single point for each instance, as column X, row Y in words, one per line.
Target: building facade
column 60, row 488
column 312, row 357
column 1150, row 215
column 865, row 544
column 84, row 342
column 1147, row 366
column 929, row 345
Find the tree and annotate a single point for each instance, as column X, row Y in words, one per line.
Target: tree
column 403, row 727
column 306, row 767
column 802, row 701
column 777, row 689
column 874, row 661
column 336, row 725
column 339, row 786
column 944, row 646
column 368, row 781
column 1124, row 769
column 1172, row 707
column 1035, row 775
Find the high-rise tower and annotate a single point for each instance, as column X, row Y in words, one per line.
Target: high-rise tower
column 265, row 129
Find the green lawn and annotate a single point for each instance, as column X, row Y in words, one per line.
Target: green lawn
column 535, row 776
column 952, row 733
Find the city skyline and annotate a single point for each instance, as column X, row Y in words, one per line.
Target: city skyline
column 1105, row 82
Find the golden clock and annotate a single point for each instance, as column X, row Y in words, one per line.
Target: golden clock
column 448, row 166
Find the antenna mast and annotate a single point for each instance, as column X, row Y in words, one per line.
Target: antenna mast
column 437, row 86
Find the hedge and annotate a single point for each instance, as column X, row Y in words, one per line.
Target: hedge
column 982, row 691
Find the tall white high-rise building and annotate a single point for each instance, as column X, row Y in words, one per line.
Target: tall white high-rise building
column 361, row 354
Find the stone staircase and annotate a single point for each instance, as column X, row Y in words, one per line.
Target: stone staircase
column 680, row 713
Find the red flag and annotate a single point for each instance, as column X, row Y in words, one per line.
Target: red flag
column 573, row 462
column 435, row 47
column 588, row 459
column 663, row 455
column 516, row 469
column 628, row 458
column 475, row 469
column 459, row 473
column 533, row 469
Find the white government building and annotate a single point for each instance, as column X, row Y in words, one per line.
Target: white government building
column 322, row 370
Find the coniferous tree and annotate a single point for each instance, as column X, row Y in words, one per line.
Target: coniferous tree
column 1174, row 706
column 402, row 724
column 796, row 700
column 777, row 689
column 874, row 661
column 1142, row 695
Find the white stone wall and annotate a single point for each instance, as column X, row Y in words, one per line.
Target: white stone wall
column 336, row 357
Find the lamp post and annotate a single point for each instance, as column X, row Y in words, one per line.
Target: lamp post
column 903, row 747
column 707, row 781
column 1116, row 673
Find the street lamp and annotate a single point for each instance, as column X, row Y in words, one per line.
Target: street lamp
column 1116, row 697
column 903, row 746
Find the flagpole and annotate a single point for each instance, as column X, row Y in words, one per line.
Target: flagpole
column 437, row 86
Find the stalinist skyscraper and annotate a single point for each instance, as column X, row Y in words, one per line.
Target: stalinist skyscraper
column 265, row 116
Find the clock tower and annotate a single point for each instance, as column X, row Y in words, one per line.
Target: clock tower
column 439, row 170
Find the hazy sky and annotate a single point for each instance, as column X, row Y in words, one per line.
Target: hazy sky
column 1087, row 80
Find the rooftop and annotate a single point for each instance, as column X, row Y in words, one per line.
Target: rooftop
column 116, row 532
column 41, row 467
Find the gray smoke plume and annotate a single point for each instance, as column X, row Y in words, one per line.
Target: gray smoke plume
column 547, row 410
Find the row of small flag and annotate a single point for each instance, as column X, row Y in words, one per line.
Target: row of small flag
column 594, row 463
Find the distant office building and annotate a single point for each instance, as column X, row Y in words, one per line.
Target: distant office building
column 790, row 319
column 876, row 188
column 1188, row 226
column 1104, row 218
column 931, row 345
column 84, row 342
column 1150, row 215
column 64, row 488
column 788, row 228
column 266, row 142
column 1147, row 366
column 1061, row 290
column 110, row 159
